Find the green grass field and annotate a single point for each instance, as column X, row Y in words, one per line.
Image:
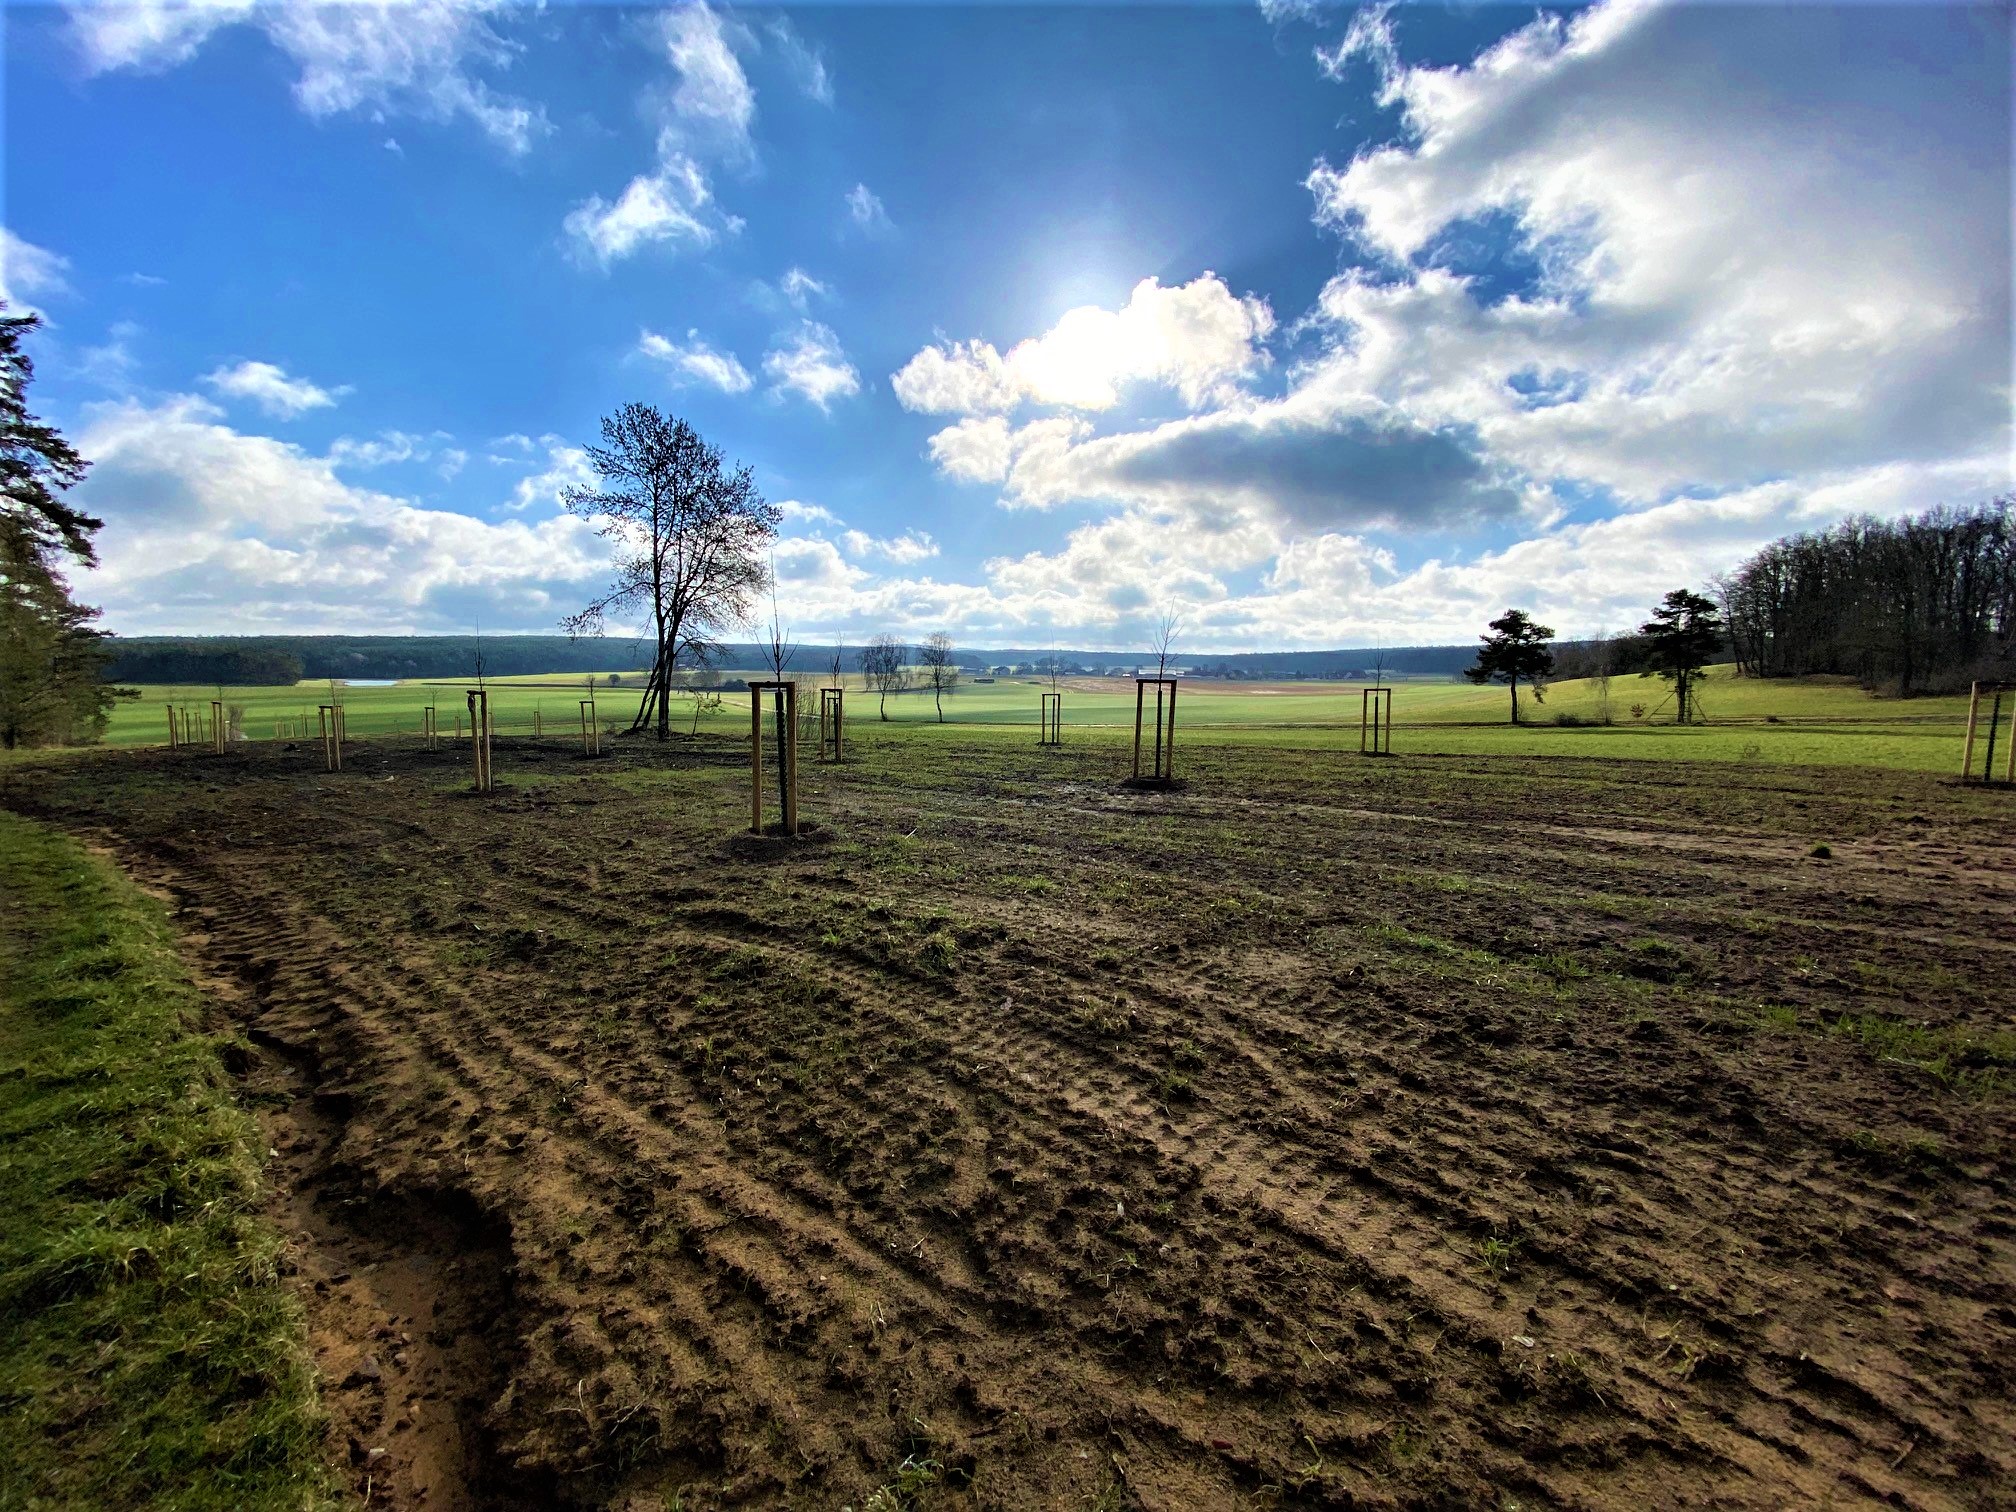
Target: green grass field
column 150, row 1355
column 1818, row 722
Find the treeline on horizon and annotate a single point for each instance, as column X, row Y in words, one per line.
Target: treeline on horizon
column 1921, row 604
column 273, row 660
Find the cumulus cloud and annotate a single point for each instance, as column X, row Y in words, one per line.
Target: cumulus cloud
column 273, row 390
column 413, row 57
column 672, row 205
column 697, row 362
column 958, row 378
column 796, row 509
column 705, row 115
column 1196, row 338
column 28, row 272
column 977, row 449
column 566, row 467
column 1751, row 264
column 1363, row 470
column 208, row 524
column 812, row 365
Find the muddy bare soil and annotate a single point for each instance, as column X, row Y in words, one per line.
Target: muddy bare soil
column 1336, row 1132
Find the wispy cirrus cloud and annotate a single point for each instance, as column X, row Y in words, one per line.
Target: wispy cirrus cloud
column 420, row 58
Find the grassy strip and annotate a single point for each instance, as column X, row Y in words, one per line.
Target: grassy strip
column 149, row 1355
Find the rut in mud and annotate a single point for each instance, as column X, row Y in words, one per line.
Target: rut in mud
column 1334, row 1132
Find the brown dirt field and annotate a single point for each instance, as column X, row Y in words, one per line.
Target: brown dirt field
column 1338, row 1132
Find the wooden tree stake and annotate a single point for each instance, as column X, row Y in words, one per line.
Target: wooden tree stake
column 1163, row 749
column 787, row 694
column 832, row 703
column 332, row 738
column 1051, row 714
column 479, row 736
column 1375, row 722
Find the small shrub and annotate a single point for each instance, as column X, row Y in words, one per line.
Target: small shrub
column 1821, row 852
column 1637, row 711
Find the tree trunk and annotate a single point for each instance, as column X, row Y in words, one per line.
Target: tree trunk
column 1515, row 699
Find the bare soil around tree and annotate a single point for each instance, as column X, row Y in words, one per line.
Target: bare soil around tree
column 1335, row 1132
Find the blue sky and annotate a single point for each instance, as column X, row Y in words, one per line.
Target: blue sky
column 1316, row 326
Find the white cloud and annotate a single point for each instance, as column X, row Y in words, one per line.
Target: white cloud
column 373, row 57
column 697, row 362
column 566, row 467
column 28, row 271
column 1802, row 270
column 975, row 450
column 149, row 35
column 958, row 378
column 793, row 509
column 1196, row 338
column 812, row 366
column 712, row 102
column 798, row 288
column 911, row 546
column 806, row 63
column 270, row 387
column 391, row 447
column 864, row 208
column 209, row 526
column 673, row 205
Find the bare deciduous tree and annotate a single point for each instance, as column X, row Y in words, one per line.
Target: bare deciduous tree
column 941, row 672
column 780, row 650
column 690, row 536
column 1168, row 626
column 885, row 668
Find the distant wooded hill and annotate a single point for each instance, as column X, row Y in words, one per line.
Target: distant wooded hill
column 250, row 660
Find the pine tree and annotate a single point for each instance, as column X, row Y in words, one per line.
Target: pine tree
column 1683, row 636
column 1517, row 648
column 52, row 659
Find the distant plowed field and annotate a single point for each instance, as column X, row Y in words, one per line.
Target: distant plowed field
column 1337, row 1132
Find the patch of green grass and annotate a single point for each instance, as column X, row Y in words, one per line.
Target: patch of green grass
column 1497, row 1255
column 1970, row 1060
column 1037, row 886
column 149, row 1354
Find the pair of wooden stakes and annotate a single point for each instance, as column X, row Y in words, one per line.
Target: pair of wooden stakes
column 482, row 728
column 187, row 727
column 1994, row 693
column 783, row 699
